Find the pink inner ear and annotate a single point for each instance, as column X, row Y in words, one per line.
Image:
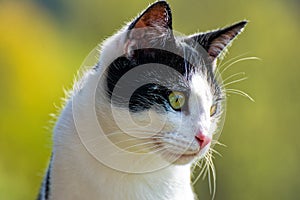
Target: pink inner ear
column 152, row 28
column 140, row 24
column 156, row 15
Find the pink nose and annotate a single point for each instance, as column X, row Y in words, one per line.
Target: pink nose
column 202, row 139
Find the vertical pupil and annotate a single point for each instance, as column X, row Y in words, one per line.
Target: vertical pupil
column 176, row 100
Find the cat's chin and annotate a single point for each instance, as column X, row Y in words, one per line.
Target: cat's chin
column 185, row 159
column 180, row 159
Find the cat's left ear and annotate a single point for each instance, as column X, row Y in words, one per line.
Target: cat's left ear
column 215, row 42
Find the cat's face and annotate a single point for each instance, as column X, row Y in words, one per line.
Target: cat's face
column 164, row 92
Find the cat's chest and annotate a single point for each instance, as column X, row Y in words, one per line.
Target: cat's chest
column 89, row 180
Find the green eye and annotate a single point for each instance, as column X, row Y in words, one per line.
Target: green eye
column 177, row 100
column 213, row 110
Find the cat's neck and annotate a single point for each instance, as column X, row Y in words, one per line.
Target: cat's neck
column 75, row 172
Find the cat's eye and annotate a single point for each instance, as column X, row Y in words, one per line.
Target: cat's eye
column 177, row 100
column 213, row 110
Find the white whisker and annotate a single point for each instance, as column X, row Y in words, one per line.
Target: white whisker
column 237, row 61
column 216, row 152
column 220, row 65
column 236, row 91
column 235, row 81
column 202, row 165
column 213, row 173
column 219, row 143
column 233, row 75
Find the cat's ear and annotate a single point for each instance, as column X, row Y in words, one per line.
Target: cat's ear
column 215, row 42
column 150, row 29
column 157, row 15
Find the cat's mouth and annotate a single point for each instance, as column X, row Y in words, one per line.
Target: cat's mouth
column 177, row 158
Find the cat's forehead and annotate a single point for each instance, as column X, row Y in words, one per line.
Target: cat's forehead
column 173, row 70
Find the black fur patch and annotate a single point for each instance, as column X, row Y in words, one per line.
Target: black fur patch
column 45, row 188
column 149, row 94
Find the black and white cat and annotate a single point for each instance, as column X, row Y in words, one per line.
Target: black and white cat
column 135, row 123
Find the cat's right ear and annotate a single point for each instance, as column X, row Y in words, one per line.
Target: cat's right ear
column 152, row 26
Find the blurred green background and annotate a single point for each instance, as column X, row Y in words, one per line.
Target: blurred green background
column 43, row 43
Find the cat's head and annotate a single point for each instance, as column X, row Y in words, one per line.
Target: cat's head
column 162, row 89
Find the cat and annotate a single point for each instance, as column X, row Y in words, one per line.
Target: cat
column 142, row 116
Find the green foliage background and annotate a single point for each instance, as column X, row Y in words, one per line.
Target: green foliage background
column 43, row 43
